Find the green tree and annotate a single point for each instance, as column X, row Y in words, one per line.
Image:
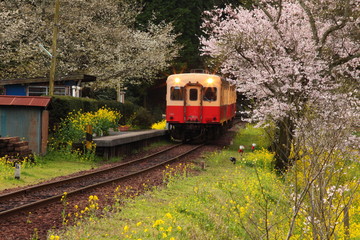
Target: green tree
column 186, row 17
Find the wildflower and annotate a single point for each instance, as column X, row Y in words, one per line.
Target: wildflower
column 158, row 222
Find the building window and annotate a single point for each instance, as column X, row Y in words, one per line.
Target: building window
column 37, row 90
column 44, row 90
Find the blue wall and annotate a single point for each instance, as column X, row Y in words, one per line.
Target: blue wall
column 24, row 122
column 15, row 90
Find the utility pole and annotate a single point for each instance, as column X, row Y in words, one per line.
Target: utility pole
column 53, row 48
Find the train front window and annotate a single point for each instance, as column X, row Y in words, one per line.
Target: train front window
column 177, row 93
column 193, row 94
column 210, row 94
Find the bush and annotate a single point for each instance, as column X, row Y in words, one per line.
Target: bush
column 73, row 127
column 159, row 125
column 61, row 106
column 142, row 119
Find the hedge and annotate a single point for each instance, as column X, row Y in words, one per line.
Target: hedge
column 60, row 106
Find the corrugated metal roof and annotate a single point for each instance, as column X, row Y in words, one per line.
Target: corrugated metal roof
column 32, row 101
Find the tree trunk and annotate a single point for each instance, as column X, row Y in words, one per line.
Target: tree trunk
column 282, row 144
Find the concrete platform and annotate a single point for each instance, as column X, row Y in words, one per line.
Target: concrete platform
column 119, row 143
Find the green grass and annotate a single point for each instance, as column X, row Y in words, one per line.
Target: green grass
column 45, row 168
column 250, row 135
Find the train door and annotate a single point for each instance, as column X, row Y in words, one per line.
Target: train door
column 193, row 103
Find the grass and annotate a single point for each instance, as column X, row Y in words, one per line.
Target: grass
column 249, row 135
column 46, row 167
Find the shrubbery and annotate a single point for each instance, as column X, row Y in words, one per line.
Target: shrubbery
column 61, row 106
column 73, row 127
column 159, row 125
column 142, row 119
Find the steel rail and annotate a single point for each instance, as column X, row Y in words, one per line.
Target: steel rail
column 58, row 197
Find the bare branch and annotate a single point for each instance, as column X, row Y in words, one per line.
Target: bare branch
column 311, row 21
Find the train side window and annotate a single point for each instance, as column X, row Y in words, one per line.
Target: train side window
column 177, row 93
column 210, row 94
column 193, row 94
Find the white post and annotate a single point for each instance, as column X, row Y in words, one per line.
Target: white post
column 17, row 170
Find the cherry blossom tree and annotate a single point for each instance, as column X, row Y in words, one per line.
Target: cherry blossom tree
column 290, row 56
column 95, row 37
column 299, row 61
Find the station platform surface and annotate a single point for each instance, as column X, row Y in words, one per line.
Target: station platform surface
column 126, row 137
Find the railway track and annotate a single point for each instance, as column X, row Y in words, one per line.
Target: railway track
column 39, row 195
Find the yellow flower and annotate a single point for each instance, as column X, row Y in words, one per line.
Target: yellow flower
column 126, row 228
column 158, row 222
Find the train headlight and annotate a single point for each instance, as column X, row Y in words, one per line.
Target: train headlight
column 177, row 80
column 210, row 80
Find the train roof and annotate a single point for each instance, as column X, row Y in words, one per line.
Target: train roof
column 205, row 75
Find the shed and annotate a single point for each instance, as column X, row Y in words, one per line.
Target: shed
column 27, row 118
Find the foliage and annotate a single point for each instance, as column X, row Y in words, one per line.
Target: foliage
column 259, row 158
column 97, row 38
column 186, row 18
column 142, row 119
column 73, row 128
column 61, row 106
column 159, row 125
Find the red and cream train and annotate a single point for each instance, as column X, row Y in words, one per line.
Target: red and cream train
column 199, row 105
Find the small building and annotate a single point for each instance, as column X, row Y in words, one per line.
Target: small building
column 70, row 85
column 27, row 118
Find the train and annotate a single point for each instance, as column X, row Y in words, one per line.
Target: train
column 199, row 106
